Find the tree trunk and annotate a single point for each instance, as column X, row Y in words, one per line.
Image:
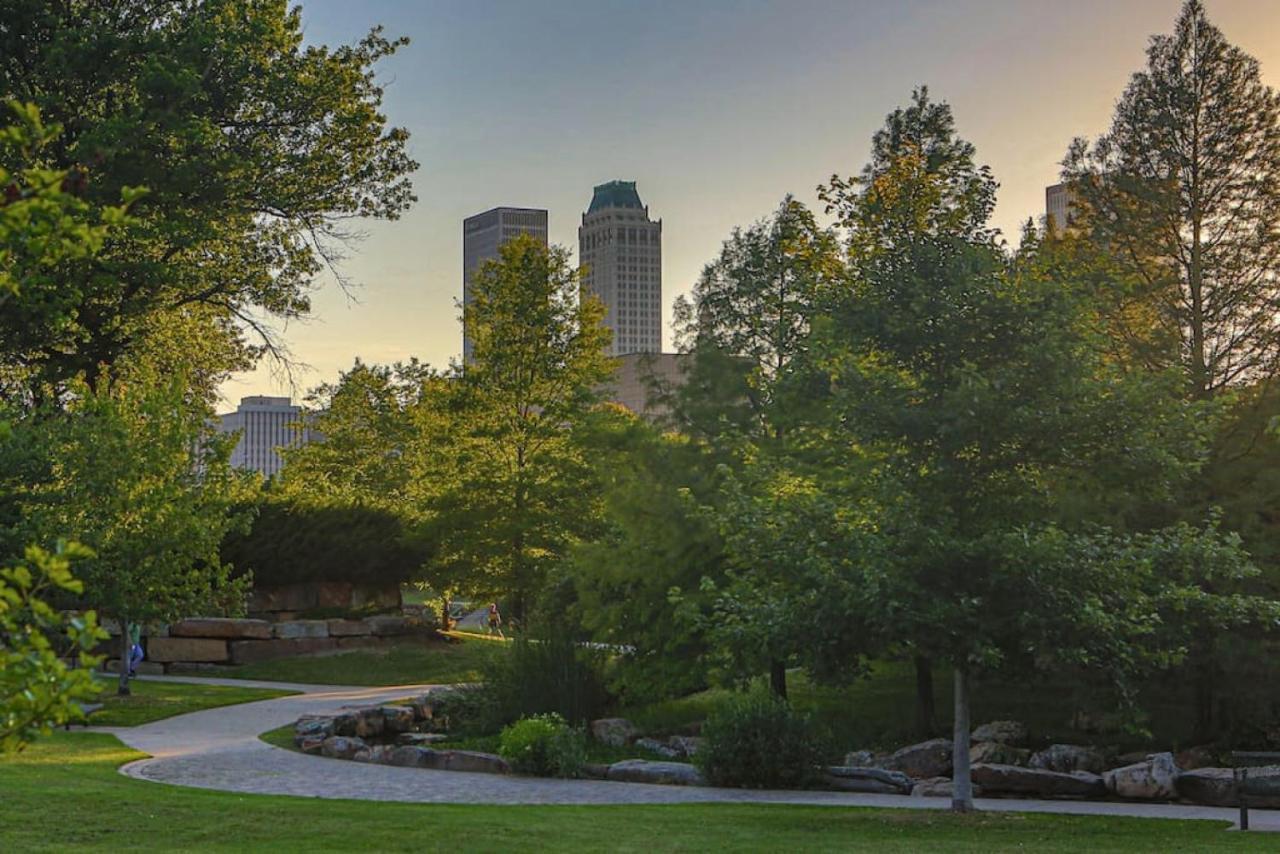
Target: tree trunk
column 961, row 785
column 126, row 650
column 778, row 678
column 924, row 696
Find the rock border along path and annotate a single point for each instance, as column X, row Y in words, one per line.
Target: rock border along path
column 220, row 749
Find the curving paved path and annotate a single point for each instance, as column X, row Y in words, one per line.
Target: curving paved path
column 220, row 749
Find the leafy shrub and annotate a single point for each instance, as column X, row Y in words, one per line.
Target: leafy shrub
column 533, row 676
column 757, row 740
column 544, row 745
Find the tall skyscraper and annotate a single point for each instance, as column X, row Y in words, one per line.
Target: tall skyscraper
column 264, row 424
column 482, row 234
column 1057, row 208
column 621, row 249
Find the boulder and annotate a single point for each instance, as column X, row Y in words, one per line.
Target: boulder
column 687, row 745
column 385, row 597
column 411, row 756
column 1065, row 758
column 421, row 739
column 342, row 746
column 1037, row 782
column 938, row 787
column 187, row 649
column 249, row 651
column 369, row 722
column 308, row 743
column 1217, row 787
column 595, row 771
column 1195, row 757
column 1001, row 732
column 927, row 759
column 344, row 723
column 875, row 780
column 218, row 627
column 659, row 747
column 295, row 629
column 339, row 628
column 863, row 759
column 1152, row 780
column 644, row 771
column 396, row 719
column 615, row 732
column 314, row 726
column 387, row 625
column 997, row 753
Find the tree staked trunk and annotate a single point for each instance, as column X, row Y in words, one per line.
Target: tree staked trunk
column 925, row 709
column 778, row 678
column 126, row 648
column 961, row 784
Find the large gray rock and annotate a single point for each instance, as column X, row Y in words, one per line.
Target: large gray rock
column 369, row 722
column 997, row 753
column 341, row 746
column 301, row 629
column 927, row 759
column 344, row 723
column 1001, row 732
column 847, row 778
column 410, row 756
column 378, row 753
column 1217, row 787
column 615, row 732
column 863, row 759
column 341, row 628
column 309, row 743
column 1192, row 758
column 687, row 745
column 474, row 761
column 309, row 727
column 643, row 771
column 1152, row 780
column 1010, row 779
column 421, row 739
column 397, row 719
column 659, row 747
column 938, row 787
column 387, row 625
column 1065, row 758
column 221, row 627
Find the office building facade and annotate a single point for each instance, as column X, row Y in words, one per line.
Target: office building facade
column 1057, row 208
column 482, row 234
column 620, row 250
column 265, row 424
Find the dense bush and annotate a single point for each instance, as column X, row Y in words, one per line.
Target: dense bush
column 293, row 542
column 756, row 740
column 533, row 676
column 544, row 745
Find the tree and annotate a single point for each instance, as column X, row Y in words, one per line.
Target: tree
column 515, row 487
column 37, row 687
column 747, row 327
column 1183, row 197
column 132, row 469
column 257, row 152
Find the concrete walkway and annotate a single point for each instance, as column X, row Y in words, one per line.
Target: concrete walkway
column 220, row 749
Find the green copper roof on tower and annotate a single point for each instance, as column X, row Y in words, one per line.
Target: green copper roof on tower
column 615, row 194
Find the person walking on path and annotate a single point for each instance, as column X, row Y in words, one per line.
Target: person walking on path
column 135, row 649
column 495, row 621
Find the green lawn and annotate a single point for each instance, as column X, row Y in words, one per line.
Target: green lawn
column 151, row 701
column 407, row 663
column 63, row 794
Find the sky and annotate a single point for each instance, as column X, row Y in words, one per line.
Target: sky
column 716, row 108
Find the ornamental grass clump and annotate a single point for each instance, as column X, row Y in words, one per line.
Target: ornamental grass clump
column 758, row 741
column 544, row 745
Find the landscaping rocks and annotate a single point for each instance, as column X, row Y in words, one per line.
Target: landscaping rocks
column 1037, row 782
column 187, row 649
column 1065, row 758
column 341, row 746
column 344, row 723
column 874, row 780
column 249, row 651
column 421, row 739
column 595, row 771
column 218, row 627
column 997, row 753
column 1152, row 780
column 659, row 747
column 1195, row 757
column 1217, row 787
column 473, row 761
column 863, row 759
column 938, row 787
column 369, row 722
column 308, row 743
column 396, row 719
column 409, row 756
column 1001, row 732
column 927, row 759
column 310, row 727
column 301, row 629
column 339, row 628
column 644, row 771
column 376, row 753
column 615, row 732
column 687, row 745
column 387, row 625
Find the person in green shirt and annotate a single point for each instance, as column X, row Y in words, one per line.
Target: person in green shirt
column 135, row 649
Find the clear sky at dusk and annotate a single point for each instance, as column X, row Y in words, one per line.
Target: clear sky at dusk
column 716, row 109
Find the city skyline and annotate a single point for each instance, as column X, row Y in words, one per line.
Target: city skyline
column 716, row 112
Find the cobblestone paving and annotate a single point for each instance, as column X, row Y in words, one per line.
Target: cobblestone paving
column 220, row 749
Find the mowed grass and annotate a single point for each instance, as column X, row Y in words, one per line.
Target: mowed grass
column 63, row 794
column 406, row 663
column 152, row 701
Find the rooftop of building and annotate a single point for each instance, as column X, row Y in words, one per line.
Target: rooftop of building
column 615, row 194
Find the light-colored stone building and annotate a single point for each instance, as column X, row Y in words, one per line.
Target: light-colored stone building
column 265, row 424
column 482, row 234
column 633, row 385
column 620, row 250
column 1057, row 208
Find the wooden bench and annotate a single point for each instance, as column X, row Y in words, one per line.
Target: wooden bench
column 1243, row 760
column 86, row 709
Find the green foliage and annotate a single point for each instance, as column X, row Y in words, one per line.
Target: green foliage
column 38, row 690
column 544, row 745
column 294, row 541
column 540, row 675
column 758, row 741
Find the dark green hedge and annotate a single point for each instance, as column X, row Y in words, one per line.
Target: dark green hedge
column 291, row 542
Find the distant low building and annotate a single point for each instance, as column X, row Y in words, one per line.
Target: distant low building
column 633, row 385
column 265, row 424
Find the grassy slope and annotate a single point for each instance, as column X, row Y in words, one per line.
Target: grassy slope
column 151, row 701
column 64, row 794
column 409, row 662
